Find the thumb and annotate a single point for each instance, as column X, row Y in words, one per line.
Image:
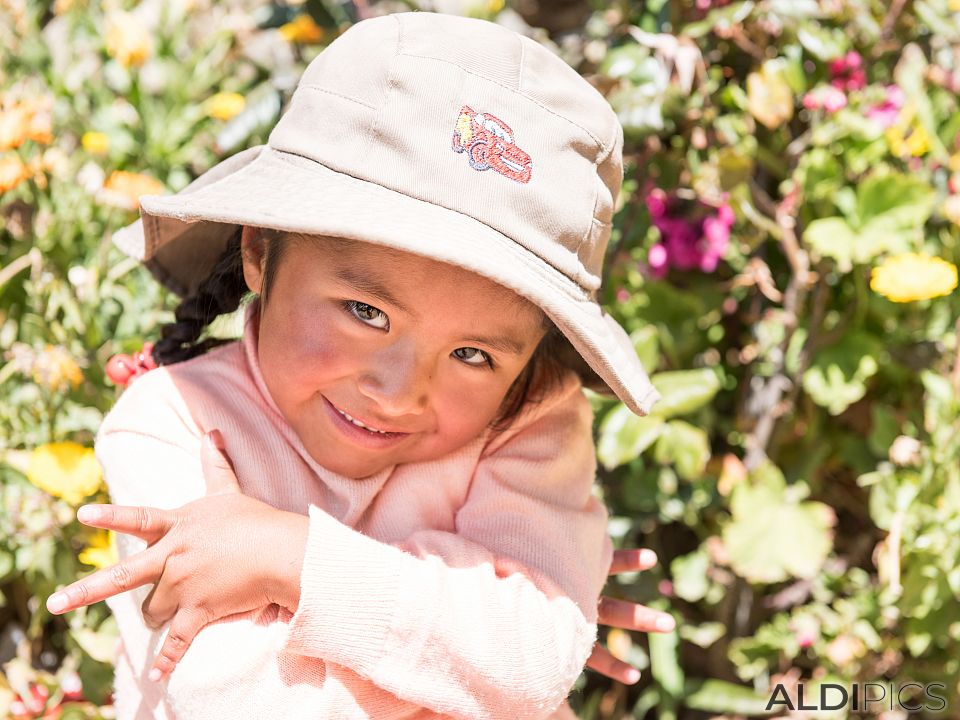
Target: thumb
column 217, row 470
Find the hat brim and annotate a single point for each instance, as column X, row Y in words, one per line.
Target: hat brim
column 265, row 187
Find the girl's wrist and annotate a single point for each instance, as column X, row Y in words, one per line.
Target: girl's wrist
column 289, row 550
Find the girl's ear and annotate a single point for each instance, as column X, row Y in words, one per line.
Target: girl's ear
column 253, row 252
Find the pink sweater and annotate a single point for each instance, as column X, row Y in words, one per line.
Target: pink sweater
column 463, row 587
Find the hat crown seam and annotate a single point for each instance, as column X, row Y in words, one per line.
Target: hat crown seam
column 320, row 88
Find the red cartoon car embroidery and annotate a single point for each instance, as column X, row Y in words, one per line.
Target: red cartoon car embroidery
column 488, row 142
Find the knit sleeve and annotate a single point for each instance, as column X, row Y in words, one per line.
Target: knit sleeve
column 495, row 620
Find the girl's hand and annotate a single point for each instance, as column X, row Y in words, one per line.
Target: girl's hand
column 209, row 559
column 627, row 615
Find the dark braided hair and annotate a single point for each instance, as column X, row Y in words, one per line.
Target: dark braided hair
column 220, row 293
column 225, row 288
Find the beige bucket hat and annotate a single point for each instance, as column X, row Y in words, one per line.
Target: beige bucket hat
column 444, row 136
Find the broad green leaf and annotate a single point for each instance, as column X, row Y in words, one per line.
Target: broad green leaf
column 720, row 696
column 623, row 436
column 832, row 238
column 664, row 662
column 646, row 343
column 837, row 377
column 898, row 200
column 822, row 43
column 684, row 446
column 771, row 537
column 98, row 644
column 684, row 391
column 689, row 573
column 703, row 635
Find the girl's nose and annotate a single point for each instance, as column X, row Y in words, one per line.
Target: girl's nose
column 398, row 380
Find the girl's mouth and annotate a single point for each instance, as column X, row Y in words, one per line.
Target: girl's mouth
column 360, row 433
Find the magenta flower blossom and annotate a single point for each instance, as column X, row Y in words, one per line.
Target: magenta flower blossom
column 847, row 73
column 694, row 235
column 885, row 114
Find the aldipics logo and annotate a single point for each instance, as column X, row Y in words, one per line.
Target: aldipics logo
column 865, row 698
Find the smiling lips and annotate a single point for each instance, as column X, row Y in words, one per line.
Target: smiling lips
column 366, row 427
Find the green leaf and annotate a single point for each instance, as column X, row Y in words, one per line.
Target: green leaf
column 623, row 436
column 646, row 343
column 98, row 644
column 664, row 662
column 684, row 446
column 837, row 377
column 689, row 573
column 832, row 238
column 897, row 200
column 720, row 696
column 684, row 391
column 772, row 536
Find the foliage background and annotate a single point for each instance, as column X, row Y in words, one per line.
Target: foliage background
column 783, row 256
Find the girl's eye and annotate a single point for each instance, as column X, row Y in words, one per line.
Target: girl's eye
column 368, row 314
column 473, row 356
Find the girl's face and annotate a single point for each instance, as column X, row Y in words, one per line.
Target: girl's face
column 420, row 352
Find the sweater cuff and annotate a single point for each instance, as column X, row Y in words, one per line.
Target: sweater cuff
column 349, row 589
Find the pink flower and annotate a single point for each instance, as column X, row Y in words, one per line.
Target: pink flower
column 694, row 235
column 825, row 97
column 847, row 72
column 885, row 114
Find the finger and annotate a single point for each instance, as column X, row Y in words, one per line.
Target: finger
column 606, row 664
column 631, row 616
column 147, row 523
column 141, row 569
column 184, row 628
column 217, row 470
column 632, row 560
column 159, row 607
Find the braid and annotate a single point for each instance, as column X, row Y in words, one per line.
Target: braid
column 220, row 293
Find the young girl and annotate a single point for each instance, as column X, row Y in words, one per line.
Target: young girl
column 416, row 534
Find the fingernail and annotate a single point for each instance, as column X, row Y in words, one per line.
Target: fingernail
column 154, row 675
column 216, row 437
column 633, row 675
column 88, row 513
column 665, row 623
column 648, row 557
column 56, row 602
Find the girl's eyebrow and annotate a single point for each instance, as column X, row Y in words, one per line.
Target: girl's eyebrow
column 370, row 286
column 500, row 343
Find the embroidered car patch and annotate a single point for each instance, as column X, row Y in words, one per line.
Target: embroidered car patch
column 488, row 142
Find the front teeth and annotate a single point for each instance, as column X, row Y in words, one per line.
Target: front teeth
column 360, row 424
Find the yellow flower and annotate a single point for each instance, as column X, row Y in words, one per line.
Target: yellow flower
column 302, row 29
column 95, row 143
column 66, row 470
column 954, row 5
column 619, row 644
column 127, row 39
column 769, row 97
column 911, row 276
column 55, row 369
column 225, row 105
column 101, row 552
column 13, row 171
column 907, row 136
column 123, row 189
